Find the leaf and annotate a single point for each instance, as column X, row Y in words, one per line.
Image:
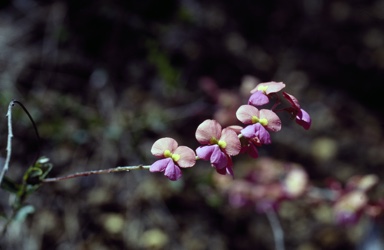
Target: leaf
column 23, row 212
column 37, row 172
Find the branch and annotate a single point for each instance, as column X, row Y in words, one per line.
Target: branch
column 278, row 233
column 9, row 141
column 92, row 172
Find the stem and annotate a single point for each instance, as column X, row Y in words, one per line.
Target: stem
column 10, row 135
column 34, row 127
column 278, row 234
column 92, row 172
column 9, row 141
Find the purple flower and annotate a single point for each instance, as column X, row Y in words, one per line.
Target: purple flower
column 173, row 157
column 349, row 207
column 257, row 131
column 302, row 117
column 248, row 114
column 258, row 123
column 220, row 145
column 260, row 94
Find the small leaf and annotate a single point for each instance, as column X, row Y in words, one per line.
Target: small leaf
column 36, row 173
column 23, row 212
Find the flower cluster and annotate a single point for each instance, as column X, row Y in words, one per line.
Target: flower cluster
column 267, row 184
column 271, row 182
column 352, row 201
column 219, row 144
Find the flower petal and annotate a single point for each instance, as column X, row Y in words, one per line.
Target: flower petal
column 205, row 152
column 233, row 144
column 187, row 157
column 160, row 165
column 274, row 122
column 207, row 130
column 249, row 131
column 173, row 172
column 274, row 87
column 295, row 182
column 257, row 130
column 222, row 171
column 290, row 98
column 303, row 119
column 236, row 128
column 269, row 87
column 262, row 134
column 219, row 159
column 245, row 113
column 229, row 170
column 163, row 144
column 258, row 99
column 252, row 150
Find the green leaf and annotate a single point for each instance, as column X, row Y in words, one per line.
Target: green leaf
column 23, row 212
column 38, row 171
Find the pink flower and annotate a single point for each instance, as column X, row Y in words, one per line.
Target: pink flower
column 362, row 183
column 349, row 207
column 173, row 157
column 302, row 117
column 258, row 133
column 353, row 201
column 260, row 94
column 248, row 114
column 258, row 122
column 248, row 145
column 220, row 145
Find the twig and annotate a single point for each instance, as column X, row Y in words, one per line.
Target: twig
column 278, row 234
column 10, row 135
column 9, row 141
column 92, row 172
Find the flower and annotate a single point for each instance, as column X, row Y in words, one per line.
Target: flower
column 295, row 182
column 362, row 183
column 248, row 145
column 349, row 207
column 173, row 157
column 257, row 133
column 258, row 123
column 248, row 114
column 260, row 94
column 302, row 117
column 220, row 145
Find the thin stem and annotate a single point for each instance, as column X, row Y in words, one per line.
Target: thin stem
column 10, row 135
column 278, row 234
column 34, row 127
column 92, row 172
column 9, row 141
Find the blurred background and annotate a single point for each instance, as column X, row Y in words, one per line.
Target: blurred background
column 104, row 79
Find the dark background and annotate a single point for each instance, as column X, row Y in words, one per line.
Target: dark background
column 105, row 79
